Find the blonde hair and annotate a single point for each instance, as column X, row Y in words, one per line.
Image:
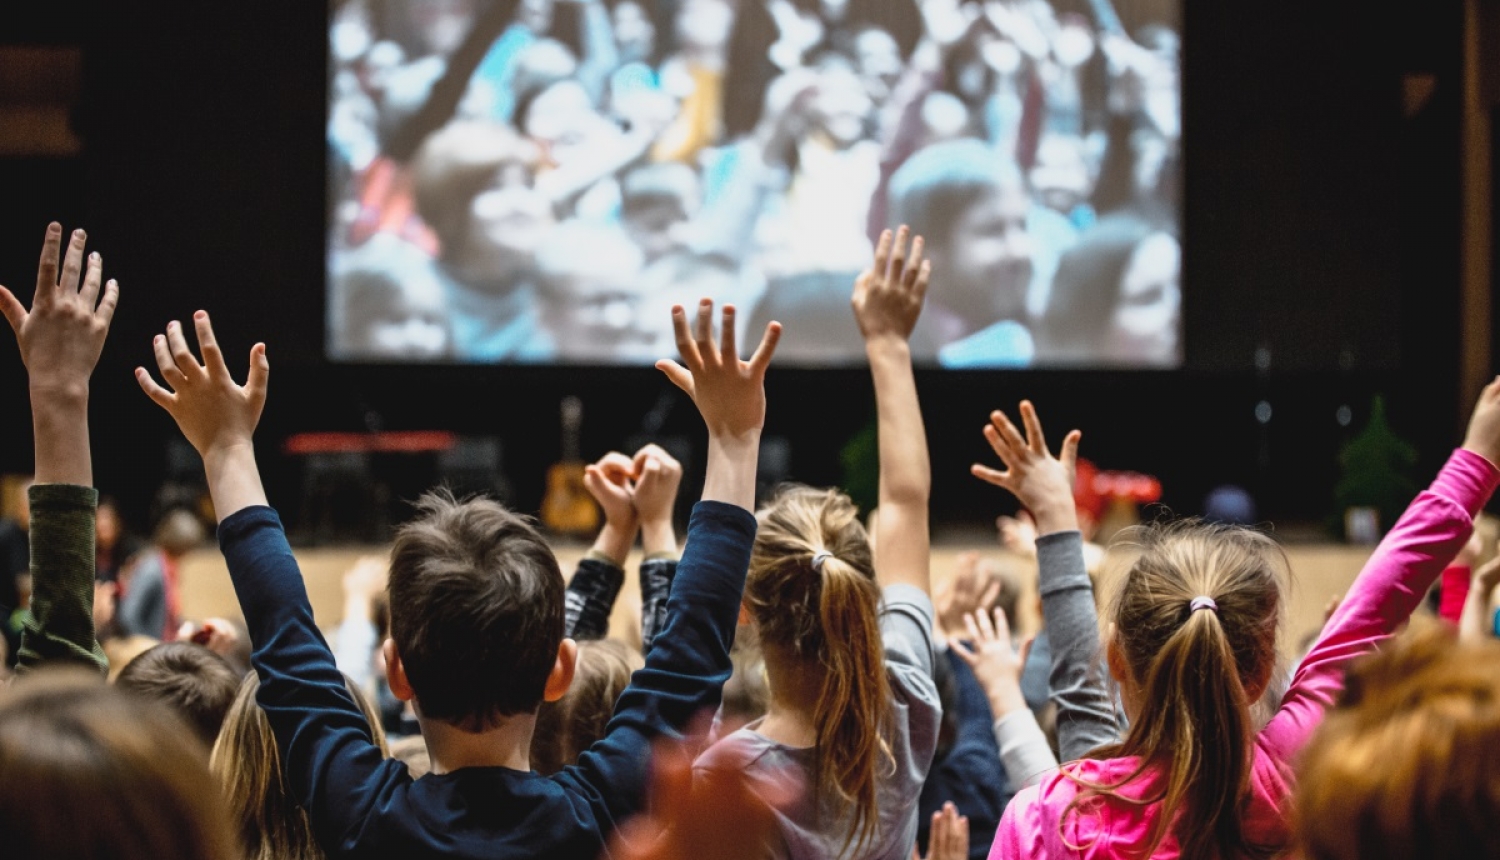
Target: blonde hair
column 825, row 610
column 272, row 825
column 570, row 725
column 1192, row 668
column 1405, row 765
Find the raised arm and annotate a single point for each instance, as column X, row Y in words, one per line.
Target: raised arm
column 1395, row 579
column 887, row 301
column 60, row 339
column 1044, row 485
column 658, row 476
column 1476, row 623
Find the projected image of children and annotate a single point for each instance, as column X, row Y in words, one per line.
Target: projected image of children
column 520, row 180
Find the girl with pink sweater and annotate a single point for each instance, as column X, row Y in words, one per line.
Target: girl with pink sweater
column 1192, row 645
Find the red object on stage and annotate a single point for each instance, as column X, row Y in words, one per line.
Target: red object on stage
column 394, row 442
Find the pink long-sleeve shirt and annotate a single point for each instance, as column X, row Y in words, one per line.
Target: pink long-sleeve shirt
column 1413, row 554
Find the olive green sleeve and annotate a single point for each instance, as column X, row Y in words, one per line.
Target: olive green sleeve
column 60, row 628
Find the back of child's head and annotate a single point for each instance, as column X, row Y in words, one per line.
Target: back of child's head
column 245, row 759
column 476, row 602
column 570, row 725
column 190, row 679
column 1405, row 766
column 1195, row 626
column 812, row 592
column 90, row 772
column 179, row 532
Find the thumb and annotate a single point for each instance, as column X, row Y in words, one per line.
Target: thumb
column 1026, row 649
column 260, row 374
column 1070, row 451
column 677, row 374
column 15, row 312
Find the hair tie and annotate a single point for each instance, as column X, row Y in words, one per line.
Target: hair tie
column 818, row 558
column 1203, row 602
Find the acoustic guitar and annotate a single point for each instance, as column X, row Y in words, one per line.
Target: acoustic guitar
column 567, row 508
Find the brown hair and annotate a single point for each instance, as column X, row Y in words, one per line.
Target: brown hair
column 87, row 771
column 192, row 680
column 827, row 615
column 572, row 724
column 476, row 601
column 1405, row 765
column 272, row 825
column 1191, row 670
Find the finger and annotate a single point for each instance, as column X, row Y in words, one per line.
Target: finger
column 1007, row 430
column 595, row 483
column 914, row 265
column 616, row 467
column 15, row 312
column 991, row 476
column 728, row 349
column 170, row 373
column 961, row 837
column 924, row 277
column 1069, row 454
column 897, row 273
column 92, row 276
column 1034, row 436
column 883, row 254
column 72, row 264
column 111, row 300
column 677, row 375
column 685, row 345
column 1002, row 626
column 180, row 353
column 1026, row 649
column 259, row 380
column 762, row 357
column 208, row 344
column 1009, row 454
column 975, row 634
column 46, row 270
column 160, row 396
column 705, row 330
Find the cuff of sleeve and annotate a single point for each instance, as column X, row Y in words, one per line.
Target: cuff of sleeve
column 659, row 556
column 911, row 600
column 1467, row 479
column 731, row 517
column 240, row 524
column 62, row 497
column 1023, row 748
column 604, row 559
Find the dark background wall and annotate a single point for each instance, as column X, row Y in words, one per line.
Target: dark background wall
column 1321, row 232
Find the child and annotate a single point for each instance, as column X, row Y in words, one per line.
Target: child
column 853, row 708
column 1193, row 645
column 477, row 631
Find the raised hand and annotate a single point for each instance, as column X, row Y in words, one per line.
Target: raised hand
column 213, row 411
column 1483, row 437
column 658, row 475
column 63, row 333
column 973, row 587
column 611, row 482
column 949, row 836
column 1043, row 483
column 729, row 393
column 996, row 663
column 888, row 296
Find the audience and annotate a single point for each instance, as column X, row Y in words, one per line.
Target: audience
column 817, row 730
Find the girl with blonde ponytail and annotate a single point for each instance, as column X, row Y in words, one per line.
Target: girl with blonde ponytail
column 1192, row 645
column 847, row 637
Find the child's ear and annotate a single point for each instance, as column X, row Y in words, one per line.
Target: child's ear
column 395, row 673
column 561, row 677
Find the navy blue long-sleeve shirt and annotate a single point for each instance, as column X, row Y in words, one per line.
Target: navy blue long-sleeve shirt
column 364, row 806
column 968, row 775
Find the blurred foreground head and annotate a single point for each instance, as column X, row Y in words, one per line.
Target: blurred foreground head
column 87, row 771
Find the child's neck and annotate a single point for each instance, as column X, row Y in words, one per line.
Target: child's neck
column 794, row 687
column 507, row 745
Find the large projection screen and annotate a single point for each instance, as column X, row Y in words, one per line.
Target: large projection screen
column 540, row 181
